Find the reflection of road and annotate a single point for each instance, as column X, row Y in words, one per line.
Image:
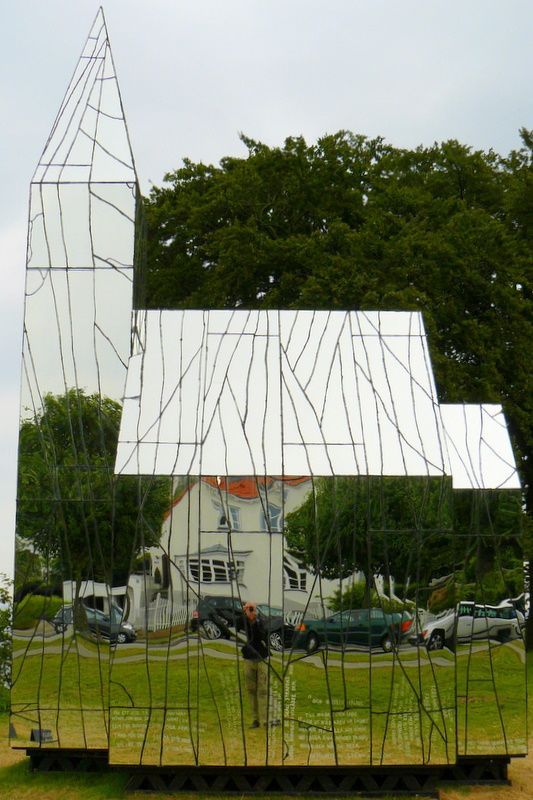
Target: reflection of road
column 408, row 657
column 517, row 645
column 42, row 629
column 181, row 649
column 38, row 647
column 58, row 644
column 53, row 650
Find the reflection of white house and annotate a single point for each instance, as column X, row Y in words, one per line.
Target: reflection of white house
column 284, row 393
column 224, row 536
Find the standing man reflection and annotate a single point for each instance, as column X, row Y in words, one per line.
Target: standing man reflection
column 255, row 653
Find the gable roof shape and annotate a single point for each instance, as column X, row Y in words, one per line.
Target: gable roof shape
column 89, row 140
column 264, row 392
column 243, row 487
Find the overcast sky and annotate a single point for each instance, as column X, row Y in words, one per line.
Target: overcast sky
column 194, row 74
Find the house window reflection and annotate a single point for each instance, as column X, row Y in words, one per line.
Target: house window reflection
column 271, row 518
column 215, row 570
column 229, row 519
column 294, row 575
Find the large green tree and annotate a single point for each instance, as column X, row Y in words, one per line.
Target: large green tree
column 72, row 508
column 396, row 527
column 5, row 640
column 352, row 222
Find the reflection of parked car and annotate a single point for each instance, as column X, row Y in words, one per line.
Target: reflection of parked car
column 62, row 619
column 470, row 621
column 363, row 626
column 520, row 605
column 110, row 626
column 280, row 632
column 215, row 616
column 102, row 625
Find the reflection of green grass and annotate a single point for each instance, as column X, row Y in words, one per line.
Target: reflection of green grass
column 76, row 677
column 389, row 713
column 17, row 782
column 491, row 690
column 310, row 701
column 32, row 608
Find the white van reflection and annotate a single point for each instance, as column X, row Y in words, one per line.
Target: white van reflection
column 471, row 621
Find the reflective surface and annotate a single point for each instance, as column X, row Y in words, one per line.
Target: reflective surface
column 70, row 566
column 244, row 537
column 281, row 392
column 393, row 664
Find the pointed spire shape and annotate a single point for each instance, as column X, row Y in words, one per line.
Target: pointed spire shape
column 89, row 140
column 81, row 238
column 84, row 192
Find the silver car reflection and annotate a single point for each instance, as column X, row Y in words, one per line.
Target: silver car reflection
column 470, row 621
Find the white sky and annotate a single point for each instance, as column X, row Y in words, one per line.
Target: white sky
column 193, row 74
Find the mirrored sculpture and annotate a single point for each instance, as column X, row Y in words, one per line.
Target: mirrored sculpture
column 77, row 323
column 244, row 538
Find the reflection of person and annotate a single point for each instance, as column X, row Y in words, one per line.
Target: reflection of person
column 255, row 653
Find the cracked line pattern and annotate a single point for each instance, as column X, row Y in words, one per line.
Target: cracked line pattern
column 80, row 254
column 310, row 470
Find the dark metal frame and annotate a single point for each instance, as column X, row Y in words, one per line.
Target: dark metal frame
column 421, row 781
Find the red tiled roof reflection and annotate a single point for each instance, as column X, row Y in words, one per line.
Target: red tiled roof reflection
column 246, row 488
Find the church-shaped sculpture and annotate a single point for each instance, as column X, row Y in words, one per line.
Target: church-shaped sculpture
column 297, row 462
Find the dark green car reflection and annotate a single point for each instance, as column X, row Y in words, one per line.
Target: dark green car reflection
column 361, row 627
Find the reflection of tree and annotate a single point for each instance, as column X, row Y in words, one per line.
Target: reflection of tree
column 374, row 525
column 29, row 567
column 464, row 544
column 488, row 527
column 71, row 507
column 5, row 640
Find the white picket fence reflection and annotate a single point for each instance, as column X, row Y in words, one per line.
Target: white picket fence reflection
column 163, row 613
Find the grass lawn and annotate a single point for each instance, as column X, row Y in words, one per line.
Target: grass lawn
column 34, row 607
column 18, row 783
column 164, row 710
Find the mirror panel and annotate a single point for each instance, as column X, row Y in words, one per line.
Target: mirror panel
column 340, row 571
column 244, row 538
column 76, row 524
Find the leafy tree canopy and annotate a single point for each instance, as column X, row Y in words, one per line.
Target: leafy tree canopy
column 352, row 222
column 5, row 640
column 389, row 526
column 84, row 521
column 401, row 528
